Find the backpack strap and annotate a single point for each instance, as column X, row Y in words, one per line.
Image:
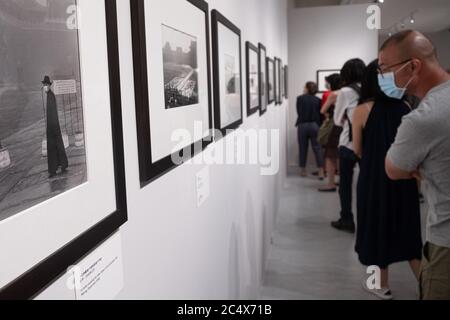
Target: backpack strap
column 355, row 87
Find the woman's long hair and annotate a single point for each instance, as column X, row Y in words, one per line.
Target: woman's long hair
column 352, row 72
column 370, row 89
column 335, row 81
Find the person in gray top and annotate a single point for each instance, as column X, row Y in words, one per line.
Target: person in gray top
column 409, row 64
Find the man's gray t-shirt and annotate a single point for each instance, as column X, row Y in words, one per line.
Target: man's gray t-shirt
column 423, row 142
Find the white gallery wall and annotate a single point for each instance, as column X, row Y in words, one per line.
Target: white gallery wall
column 173, row 249
column 441, row 40
column 323, row 38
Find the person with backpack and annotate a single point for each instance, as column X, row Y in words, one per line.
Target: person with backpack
column 351, row 76
column 329, row 133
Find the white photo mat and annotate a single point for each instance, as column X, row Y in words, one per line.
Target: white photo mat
column 254, row 90
column 229, row 45
column 183, row 16
column 31, row 236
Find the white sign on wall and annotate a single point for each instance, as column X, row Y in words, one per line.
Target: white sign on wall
column 203, row 186
column 61, row 87
column 100, row 275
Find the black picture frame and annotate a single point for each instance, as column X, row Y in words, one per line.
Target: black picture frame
column 37, row 279
column 263, row 93
column 278, row 81
column 216, row 18
column 283, row 82
column 249, row 47
column 149, row 170
column 270, row 80
column 321, row 75
column 286, row 82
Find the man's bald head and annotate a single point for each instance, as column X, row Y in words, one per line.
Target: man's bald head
column 412, row 58
column 411, row 44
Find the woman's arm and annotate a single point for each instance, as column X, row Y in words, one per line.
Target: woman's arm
column 342, row 103
column 357, row 124
column 330, row 101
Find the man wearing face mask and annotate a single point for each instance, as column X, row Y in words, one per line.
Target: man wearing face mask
column 409, row 64
column 56, row 153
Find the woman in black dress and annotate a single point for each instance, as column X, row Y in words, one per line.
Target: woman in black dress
column 389, row 225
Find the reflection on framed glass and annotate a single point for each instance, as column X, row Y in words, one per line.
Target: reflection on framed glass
column 253, row 91
column 172, row 82
column 63, row 109
column 263, row 100
column 271, row 80
column 321, row 76
column 228, row 106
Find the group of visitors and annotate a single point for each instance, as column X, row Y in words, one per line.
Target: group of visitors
column 390, row 118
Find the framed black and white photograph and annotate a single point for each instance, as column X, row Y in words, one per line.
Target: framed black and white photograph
column 270, row 80
column 60, row 136
column 228, row 101
column 283, row 82
column 286, row 82
column 172, row 82
column 263, row 94
column 253, row 92
column 277, row 81
column 321, row 78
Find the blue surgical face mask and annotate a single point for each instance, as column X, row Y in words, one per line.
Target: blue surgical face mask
column 389, row 87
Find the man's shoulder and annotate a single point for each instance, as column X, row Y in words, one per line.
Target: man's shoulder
column 428, row 117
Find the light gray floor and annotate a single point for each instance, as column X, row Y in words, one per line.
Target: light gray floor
column 310, row 260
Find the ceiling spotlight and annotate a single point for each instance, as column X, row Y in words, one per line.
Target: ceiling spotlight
column 412, row 20
column 380, row 1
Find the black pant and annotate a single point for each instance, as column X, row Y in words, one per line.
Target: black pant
column 308, row 132
column 347, row 163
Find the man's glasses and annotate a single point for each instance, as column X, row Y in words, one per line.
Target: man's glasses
column 392, row 66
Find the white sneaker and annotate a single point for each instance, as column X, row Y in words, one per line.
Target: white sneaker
column 383, row 294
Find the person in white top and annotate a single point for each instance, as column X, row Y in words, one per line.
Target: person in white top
column 346, row 103
column 348, row 99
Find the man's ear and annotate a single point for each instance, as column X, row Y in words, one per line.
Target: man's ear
column 416, row 65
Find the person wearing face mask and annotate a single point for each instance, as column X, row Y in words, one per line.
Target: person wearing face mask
column 389, row 229
column 56, row 153
column 409, row 64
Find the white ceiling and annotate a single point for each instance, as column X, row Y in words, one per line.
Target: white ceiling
column 430, row 15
